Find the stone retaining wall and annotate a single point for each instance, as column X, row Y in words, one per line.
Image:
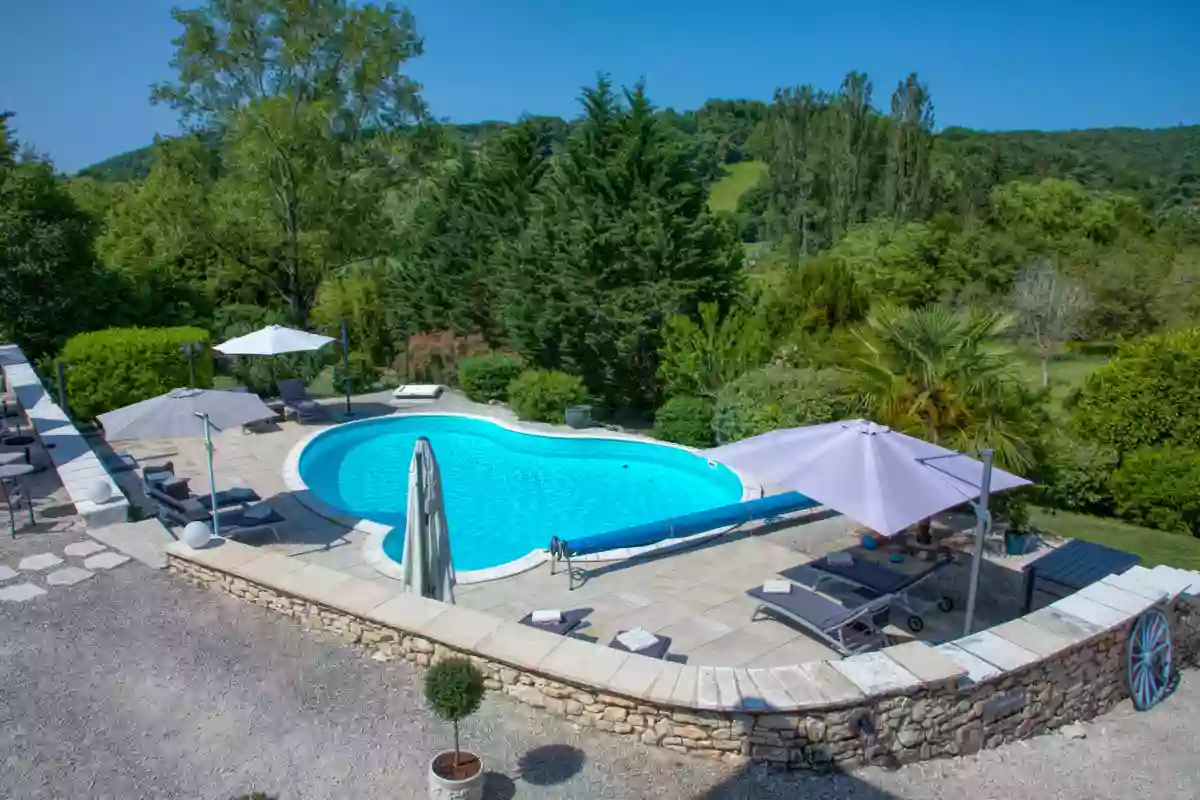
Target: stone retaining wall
column 895, row 721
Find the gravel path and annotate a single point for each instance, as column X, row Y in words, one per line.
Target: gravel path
column 140, row 685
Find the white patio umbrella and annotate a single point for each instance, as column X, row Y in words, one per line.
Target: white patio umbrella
column 186, row 413
column 426, row 563
column 879, row 477
column 273, row 340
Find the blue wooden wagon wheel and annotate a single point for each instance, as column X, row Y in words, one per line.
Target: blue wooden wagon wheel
column 1149, row 668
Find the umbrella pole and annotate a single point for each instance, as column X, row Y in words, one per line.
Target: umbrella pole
column 983, row 523
column 212, row 481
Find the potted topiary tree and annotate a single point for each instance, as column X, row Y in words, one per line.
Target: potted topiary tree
column 454, row 690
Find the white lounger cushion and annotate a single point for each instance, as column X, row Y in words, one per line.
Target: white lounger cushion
column 637, row 639
column 546, row 615
column 776, row 587
column 419, row 391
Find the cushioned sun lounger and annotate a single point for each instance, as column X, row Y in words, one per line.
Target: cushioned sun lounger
column 847, row 630
column 677, row 527
column 158, row 483
column 418, row 391
column 656, row 650
column 118, row 462
column 295, row 397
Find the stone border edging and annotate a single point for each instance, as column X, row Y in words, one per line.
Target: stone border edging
column 78, row 467
column 904, row 703
column 372, row 548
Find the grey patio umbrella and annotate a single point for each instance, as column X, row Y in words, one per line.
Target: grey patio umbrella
column 186, row 413
column 427, row 566
column 879, row 477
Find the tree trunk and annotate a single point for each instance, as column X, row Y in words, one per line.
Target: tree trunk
column 456, row 748
column 1045, row 371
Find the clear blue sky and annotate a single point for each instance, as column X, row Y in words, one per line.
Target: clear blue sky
column 77, row 71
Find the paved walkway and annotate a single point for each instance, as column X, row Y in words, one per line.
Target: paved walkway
column 140, row 685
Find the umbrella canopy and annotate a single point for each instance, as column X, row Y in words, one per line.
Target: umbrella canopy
column 272, row 341
column 174, row 414
column 879, row 477
column 187, row 413
column 426, row 563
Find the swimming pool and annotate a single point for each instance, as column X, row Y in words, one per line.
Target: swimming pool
column 507, row 491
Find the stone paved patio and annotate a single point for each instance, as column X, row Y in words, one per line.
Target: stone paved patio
column 696, row 596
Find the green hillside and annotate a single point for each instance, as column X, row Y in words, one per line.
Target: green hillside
column 737, row 179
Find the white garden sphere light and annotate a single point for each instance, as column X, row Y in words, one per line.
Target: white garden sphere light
column 99, row 491
column 196, row 534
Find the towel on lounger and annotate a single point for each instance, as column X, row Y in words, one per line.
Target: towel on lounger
column 637, row 639
column 546, row 615
column 840, row 559
column 776, row 587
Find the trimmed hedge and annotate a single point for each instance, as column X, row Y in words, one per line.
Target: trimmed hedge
column 686, row 420
column 112, row 368
column 486, row 377
column 1160, row 487
column 544, row 395
column 776, row 397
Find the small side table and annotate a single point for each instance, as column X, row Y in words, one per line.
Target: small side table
column 14, row 472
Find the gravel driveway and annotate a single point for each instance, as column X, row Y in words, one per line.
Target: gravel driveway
column 140, row 685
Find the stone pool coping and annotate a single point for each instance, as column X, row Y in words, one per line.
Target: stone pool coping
column 372, row 547
column 903, row 703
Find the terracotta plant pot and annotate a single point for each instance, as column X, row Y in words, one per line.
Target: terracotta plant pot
column 462, row 783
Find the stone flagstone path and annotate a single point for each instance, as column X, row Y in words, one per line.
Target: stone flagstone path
column 95, row 557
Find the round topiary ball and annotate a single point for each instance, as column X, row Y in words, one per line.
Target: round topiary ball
column 196, row 534
column 99, row 491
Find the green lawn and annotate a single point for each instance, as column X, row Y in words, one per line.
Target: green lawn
column 737, row 179
column 1067, row 373
column 1155, row 547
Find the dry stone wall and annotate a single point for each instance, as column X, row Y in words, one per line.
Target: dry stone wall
column 946, row 714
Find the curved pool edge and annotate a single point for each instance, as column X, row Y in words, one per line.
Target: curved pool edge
column 376, row 532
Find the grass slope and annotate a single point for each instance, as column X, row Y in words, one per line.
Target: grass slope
column 737, row 179
column 1155, row 547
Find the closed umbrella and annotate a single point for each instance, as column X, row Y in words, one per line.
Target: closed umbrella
column 882, row 478
column 186, row 413
column 427, row 567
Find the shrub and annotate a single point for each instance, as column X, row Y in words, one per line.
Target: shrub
column 776, row 397
column 1075, row 477
column 1160, row 487
column 544, row 395
column 112, row 368
column 486, row 376
column 686, row 420
column 363, row 374
column 454, row 690
column 1149, row 394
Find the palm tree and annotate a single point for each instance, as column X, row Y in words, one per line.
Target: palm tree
column 946, row 377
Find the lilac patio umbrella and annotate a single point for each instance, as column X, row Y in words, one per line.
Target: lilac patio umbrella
column 879, row 477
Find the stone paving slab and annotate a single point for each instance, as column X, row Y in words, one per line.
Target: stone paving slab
column 1032, row 637
column 995, row 650
column 517, row 644
column 39, row 562
column 1190, row 578
column 924, row 662
column 584, row 662
column 1138, row 583
column 1116, row 598
column 407, row 612
column 708, row 694
column 82, row 549
column 20, row 592
column 766, row 688
column 68, row 576
column 664, row 685
column 1065, row 625
column 105, row 561
column 730, row 696
column 876, row 674
column 7, row 573
column 145, row 541
column 636, row 675
column 977, row 669
column 684, row 691
column 1098, row 614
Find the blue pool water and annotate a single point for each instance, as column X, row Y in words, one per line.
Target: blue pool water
column 506, row 492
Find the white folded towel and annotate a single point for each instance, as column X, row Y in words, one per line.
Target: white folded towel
column 776, row 587
column 637, row 639
column 840, row 559
column 547, row 615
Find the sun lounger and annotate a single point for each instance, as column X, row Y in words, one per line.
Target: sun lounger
column 904, row 587
column 295, row 398
column 847, row 630
column 118, row 462
column 656, row 650
column 570, row 620
column 161, row 483
column 418, row 391
column 767, row 508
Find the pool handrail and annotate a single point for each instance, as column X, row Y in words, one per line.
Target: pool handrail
column 764, row 508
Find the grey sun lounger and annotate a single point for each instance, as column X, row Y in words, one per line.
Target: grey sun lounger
column 156, row 481
column 295, row 398
column 847, row 630
column 878, row 578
